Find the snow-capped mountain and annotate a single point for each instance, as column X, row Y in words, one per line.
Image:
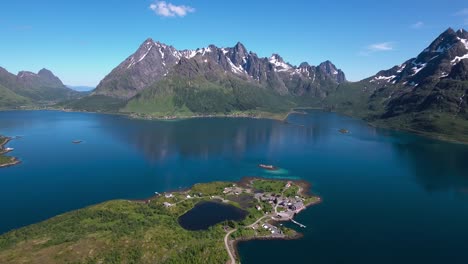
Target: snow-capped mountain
column 154, row 61
column 435, row 62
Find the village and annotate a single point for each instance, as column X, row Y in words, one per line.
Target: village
column 278, row 206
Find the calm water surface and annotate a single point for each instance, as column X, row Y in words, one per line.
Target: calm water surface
column 206, row 214
column 388, row 197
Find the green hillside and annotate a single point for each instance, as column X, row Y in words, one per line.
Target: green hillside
column 185, row 97
column 9, row 99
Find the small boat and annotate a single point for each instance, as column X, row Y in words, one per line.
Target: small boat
column 343, row 131
column 77, row 141
column 267, row 167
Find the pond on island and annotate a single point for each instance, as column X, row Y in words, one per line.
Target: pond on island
column 207, row 214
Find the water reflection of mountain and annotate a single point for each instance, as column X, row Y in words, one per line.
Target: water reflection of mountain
column 435, row 165
column 208, row 138
column 438, row 166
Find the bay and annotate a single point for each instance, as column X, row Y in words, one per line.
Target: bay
column 388, row 196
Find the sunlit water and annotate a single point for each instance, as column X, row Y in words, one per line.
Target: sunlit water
column 388, row 197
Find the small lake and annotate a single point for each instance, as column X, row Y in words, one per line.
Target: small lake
column 207, row 214
column 388, row 196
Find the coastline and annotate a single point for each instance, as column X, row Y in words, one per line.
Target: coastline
column 247, row 182
column 164, row 210
column 304, row 190
column 13, row 160
column 296, row 235
column 282, row 117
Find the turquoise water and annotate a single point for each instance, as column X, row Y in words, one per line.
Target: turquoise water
column 388, row 197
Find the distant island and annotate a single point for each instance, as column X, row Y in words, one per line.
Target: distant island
column 153, row 230
column 6, row 161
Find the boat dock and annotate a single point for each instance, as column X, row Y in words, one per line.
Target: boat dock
column 297, row 223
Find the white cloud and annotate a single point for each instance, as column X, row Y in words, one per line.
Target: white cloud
column 162, row 8
column 417, row 25
column 377, row 47
column 384, row 46
column 462, row 12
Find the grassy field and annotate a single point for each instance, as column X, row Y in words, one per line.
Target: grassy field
column 269, row 185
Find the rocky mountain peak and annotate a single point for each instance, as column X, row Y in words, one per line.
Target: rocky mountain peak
column 44, row 78
column 436, row 61
column 279, row 63
column 328, row 67
column 276, row 57
column 46, row 73
column 154, row 61
column 48, row 77
column 240, row 48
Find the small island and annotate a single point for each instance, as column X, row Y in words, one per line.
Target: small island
column 268, row 167
column 155, row 230
column 343, row 131
column 6, row 161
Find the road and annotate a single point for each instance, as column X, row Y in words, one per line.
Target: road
column 226, row 243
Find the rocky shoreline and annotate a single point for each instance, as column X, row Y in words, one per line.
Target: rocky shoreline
column 297, row 235
column 13, row 161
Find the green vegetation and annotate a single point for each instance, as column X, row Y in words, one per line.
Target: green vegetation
column 269, row 185
column 291, row 191
column 5, row 160
column 133, row 232
column 214, row 188
column 432, row 109
column 113, row 232
column 11, row 100
column 94, row 103
column 199, row 96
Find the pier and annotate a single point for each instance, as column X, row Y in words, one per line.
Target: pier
column 297, row 223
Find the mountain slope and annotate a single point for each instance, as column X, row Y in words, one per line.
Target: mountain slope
column 9, row 100
column 43, row 87
column 159, row 79
column 153, row 61
column 425, row 94
column 199, row 87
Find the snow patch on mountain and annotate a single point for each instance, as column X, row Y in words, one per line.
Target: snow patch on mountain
column 234, row 68
column 383, row 78
column 279, row 64
column 417, row 68
column 458, row 59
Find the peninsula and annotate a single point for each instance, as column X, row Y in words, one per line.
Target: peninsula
column 6, row 161
column 149, row 231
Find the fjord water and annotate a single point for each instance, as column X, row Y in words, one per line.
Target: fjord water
column 388, row 197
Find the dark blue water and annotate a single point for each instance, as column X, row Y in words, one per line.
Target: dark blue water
column 388, row 197
column 207, row 214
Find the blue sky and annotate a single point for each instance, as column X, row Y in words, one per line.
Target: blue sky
column 82, row 41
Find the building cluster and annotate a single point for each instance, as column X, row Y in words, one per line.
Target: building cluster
column 274, row 230
column 286, row 207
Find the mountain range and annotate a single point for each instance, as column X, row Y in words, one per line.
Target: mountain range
column 426, row 94
column 159, row 80
column 28, row 89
